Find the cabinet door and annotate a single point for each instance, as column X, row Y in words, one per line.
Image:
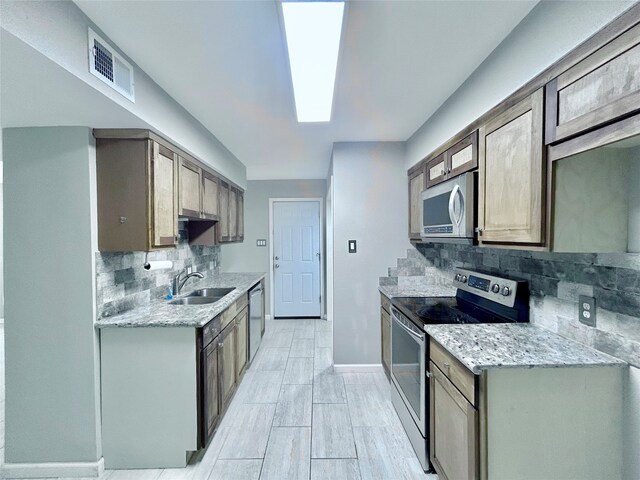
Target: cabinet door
column 601, row 88
column 463, row 156
column 453, row 448
column 511, row 182
column 227, row 360
column 189, row 192
column 416, row 186
column 385, row 326
column 242, row 333
column 209, row 196
column 210, row 398
column 233, row 214
column 163, row 197
column 240, row 216
column 223, row 223
column 437, row 170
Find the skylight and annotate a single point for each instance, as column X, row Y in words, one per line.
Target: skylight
column 313, row 39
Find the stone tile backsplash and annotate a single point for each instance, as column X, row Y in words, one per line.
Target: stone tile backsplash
column 122, row 283
column 556, row 280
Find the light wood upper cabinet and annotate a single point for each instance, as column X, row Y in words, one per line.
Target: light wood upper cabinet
column 189, row 194
column 458, row 159
column 600, row 89
column 231, row 204
column 223, row 202
column 512, row 175
column 136, row 184
column 437, row 170
column 165, row 226
column 416, row 186
column 209, row 195
column 240, row 235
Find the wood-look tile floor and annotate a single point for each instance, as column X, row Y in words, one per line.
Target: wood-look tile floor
column 293, row 417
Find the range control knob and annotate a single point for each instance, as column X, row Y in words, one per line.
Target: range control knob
column 495, row 288
column 458, row 277
column 506, row 291
column 464, row 279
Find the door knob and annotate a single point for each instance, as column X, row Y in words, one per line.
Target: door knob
column 276, row 266
column 276, row 258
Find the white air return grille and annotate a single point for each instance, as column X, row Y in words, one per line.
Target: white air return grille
column 107, row 65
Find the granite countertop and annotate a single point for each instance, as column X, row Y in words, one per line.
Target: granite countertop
column 392, row 291
column 160, row 314
column 484, row 346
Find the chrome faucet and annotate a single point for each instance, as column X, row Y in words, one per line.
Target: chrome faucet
column 177, row 284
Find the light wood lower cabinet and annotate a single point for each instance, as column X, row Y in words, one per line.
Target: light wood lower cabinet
column 454, row 430
column 228, row 377
column 385, row 347
column 498, row 425
column 210, row 391
column 512, row 175
column 242, row 336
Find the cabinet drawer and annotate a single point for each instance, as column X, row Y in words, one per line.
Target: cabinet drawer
column 456, row 372
column 385, row 303
column 599, row 89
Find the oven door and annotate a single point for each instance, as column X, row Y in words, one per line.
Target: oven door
column 408, row 364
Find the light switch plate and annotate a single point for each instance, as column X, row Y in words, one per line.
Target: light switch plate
column 587, row 310
column 352, row 246
column 261, row 242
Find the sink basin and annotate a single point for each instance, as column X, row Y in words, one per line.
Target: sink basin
column 211, row 292
column 193, row 301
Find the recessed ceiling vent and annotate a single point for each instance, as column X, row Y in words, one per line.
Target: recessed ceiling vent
column 107, row 65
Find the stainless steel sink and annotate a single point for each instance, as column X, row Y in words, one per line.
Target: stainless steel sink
column 193, row 301
column 211, row 292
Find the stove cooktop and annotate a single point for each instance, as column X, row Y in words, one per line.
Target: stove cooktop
column 439, row 310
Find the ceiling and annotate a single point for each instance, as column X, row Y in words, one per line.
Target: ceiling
column 226, row 63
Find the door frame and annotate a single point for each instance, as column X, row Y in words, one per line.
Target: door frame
column 320, row 200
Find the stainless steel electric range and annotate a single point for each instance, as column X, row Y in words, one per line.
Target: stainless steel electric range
column 480, row 298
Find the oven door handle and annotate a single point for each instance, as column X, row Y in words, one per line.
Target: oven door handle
column 409, row 331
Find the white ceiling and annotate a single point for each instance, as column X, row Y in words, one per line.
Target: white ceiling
column 226, row 63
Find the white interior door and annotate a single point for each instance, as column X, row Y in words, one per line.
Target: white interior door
column 296, row 258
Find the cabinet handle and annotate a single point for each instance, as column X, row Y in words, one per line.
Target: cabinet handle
column 428, row 374
column 442, row 172
column 449, row 170
column 446, row 365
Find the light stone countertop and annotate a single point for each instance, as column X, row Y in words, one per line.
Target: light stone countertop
column 160, row 314
column 392, row 291
column 483, row 346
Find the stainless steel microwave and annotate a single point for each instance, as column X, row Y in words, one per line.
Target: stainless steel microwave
column 448, row 210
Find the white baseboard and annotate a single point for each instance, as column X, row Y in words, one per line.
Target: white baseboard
column 47, row 470
column 359, row 368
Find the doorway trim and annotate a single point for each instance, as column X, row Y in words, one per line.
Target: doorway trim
column 320, row 200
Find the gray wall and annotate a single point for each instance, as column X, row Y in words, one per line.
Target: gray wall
column 52, row 397
column 246, row 257
column 370, row 206
column 551, row 30
column 58, row 30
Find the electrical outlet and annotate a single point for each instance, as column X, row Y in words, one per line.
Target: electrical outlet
column 587, row 310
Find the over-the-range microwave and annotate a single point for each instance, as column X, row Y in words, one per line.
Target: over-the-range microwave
column 448, row 210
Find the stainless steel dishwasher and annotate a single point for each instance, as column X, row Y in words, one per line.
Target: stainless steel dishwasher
column 256, row 319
